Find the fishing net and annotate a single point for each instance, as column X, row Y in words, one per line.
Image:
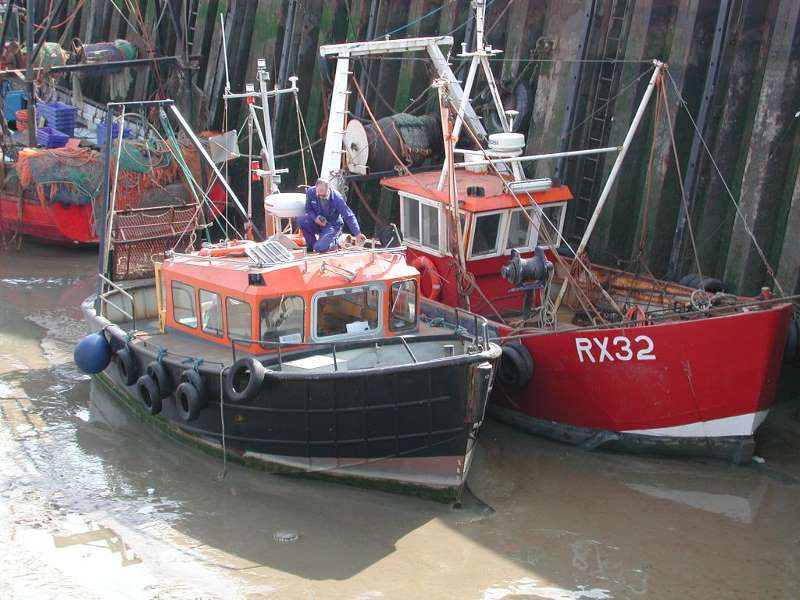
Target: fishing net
column 75, row 175
column 65, row 175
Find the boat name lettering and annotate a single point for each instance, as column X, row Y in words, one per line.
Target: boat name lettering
column 610, row 349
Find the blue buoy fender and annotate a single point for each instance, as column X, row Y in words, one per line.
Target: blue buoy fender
column 92, row 354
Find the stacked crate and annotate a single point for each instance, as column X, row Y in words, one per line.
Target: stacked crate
column 59, row 116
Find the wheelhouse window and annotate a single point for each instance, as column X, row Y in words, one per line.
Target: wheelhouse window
column 552, row 225
column 351, row 311
column 421, row 222
column 430, row 225
column 282, row 320
column 411, row 219
column 403, row 305
column 485, row 234
column 183, row 304
column 211, row 312
column 240, row 316
column 519, row 229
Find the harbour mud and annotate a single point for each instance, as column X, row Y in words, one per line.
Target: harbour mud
column 96, row 504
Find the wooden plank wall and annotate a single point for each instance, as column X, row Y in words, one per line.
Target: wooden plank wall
column 752, row 130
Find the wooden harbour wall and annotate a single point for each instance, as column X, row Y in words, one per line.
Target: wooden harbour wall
column 735, row 61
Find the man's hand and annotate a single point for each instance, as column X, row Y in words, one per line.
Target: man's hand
column 360, row 239
column 321, row 221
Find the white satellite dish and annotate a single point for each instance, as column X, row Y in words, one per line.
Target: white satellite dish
column 356, row 146
column 287, row 205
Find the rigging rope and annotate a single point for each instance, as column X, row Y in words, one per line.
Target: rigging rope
column 741, row 216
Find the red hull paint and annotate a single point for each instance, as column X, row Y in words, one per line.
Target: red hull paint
column 54, row 223
column 703, row 369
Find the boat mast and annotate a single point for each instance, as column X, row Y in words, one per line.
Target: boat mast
column 480, row 57
column 612, row 176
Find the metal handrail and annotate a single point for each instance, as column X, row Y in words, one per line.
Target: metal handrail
column 280, row 346
column 117, row 288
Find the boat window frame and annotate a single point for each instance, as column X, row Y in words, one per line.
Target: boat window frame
column 502, row 233
column 228, row 321
column 440, row 248
column 222, row 324
column 533, row 229
column 410, row 326
column 559, row 225
column 270, row 344
column 378, row 286
column 193, row 295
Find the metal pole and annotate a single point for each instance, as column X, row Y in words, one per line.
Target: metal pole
column 103, row 234
column 199, row 146
column 612, row 176
column 29, row 74
column 249, row 232
column 534, row 157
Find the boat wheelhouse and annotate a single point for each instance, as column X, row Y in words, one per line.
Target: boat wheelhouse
column 494, row 222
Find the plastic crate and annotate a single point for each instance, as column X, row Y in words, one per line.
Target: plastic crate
column 15, row 100
column 101, row 133
column 51, row 138
column 58, row 115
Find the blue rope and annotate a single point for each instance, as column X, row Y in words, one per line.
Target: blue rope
column 196, row 362
column 162, row 352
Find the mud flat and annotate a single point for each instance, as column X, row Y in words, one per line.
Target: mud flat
column 96, row 504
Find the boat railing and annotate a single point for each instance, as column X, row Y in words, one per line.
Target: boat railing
column 303, row 261
column 481, row 324
column 109, row 287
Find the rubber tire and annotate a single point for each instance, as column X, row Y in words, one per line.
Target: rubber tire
column 255, row 379
column 127, row 367
column 193, row 376
column 187, row 402
column 709, row 284
column 149, row 394
column 516, row 366
column 160, row 375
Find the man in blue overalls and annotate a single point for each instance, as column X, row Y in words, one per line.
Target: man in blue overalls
column 326, row 212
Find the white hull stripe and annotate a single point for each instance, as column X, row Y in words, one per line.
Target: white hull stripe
column 727, row 426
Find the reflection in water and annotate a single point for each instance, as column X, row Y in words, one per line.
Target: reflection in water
column 95, row 533
column 94, row 503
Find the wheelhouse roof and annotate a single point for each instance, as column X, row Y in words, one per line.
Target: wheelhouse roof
column 302, row 276
column 495, row 197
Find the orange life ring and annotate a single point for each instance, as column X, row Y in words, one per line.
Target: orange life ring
column 230, row 248
column 635, row 313
column 430, row 280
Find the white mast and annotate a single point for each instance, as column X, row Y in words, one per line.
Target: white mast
column 612, row 176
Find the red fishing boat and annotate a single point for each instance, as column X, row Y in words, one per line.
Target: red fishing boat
column 592, row 355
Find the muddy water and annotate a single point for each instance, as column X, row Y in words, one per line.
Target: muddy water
column 94, row 504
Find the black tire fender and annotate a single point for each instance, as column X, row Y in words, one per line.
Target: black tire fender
column 516, row 366
column 244, row 380
column 709, row 284
column 160, row 375
column 127, row 367
column 188, row 402
column 193, row 376
column 149, row 394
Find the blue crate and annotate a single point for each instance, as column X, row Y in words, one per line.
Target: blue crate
column 51, row 138
column 58, row 115
column 101, row 133
column 15, row 100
